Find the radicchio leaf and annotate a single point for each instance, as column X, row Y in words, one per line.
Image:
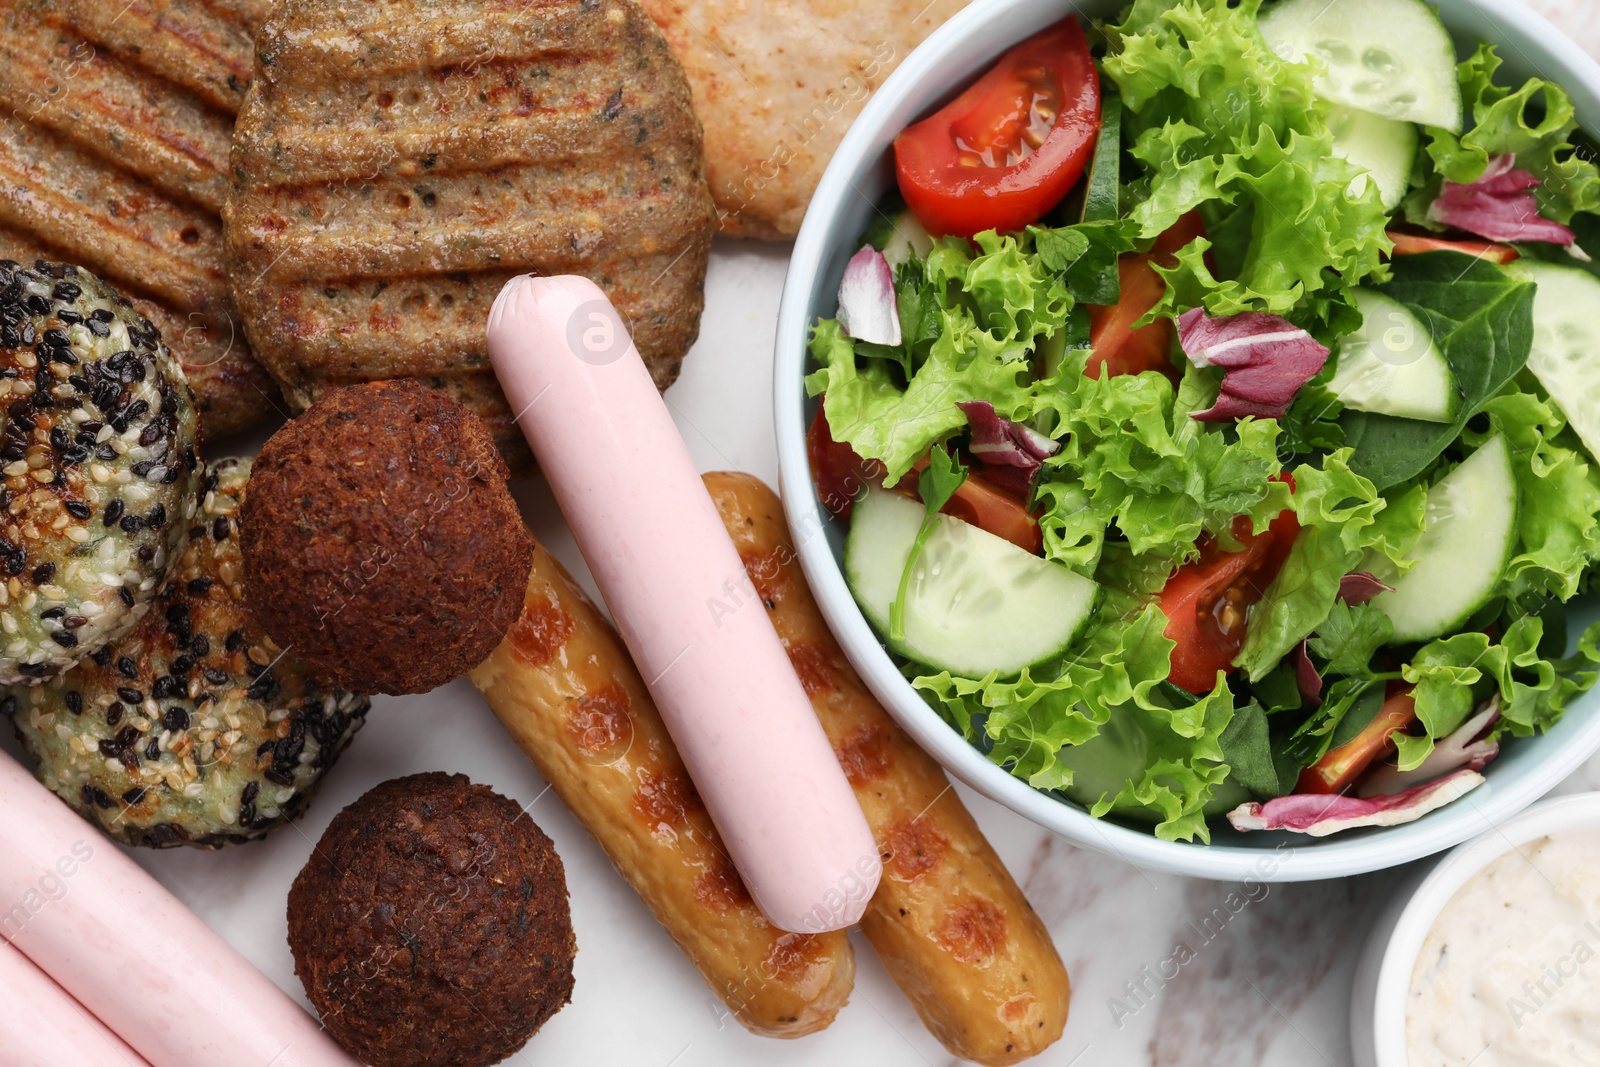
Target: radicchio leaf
column 1500, row 206
column 1359, row 587
column 1305, row 674
column 1266, row 359
column 1011, row 453
column 1319, row 815
column 1467, row 747
column 868, row 308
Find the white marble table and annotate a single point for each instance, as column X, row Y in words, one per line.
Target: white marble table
column 1271, row 987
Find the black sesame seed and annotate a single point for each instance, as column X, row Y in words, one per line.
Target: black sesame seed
column 52, row 613
column 201, row 645
column 235, row 641
column 113, row 512
column 75, row 622
column 175, row 719
column 59, row 439
column 199, row 586
column 181, row 666
column 153, row 749
column 167, row 688
column 114, row 713
column 216, row 677
column 157, row 517
column 143, row 467
column 75, row 702
column 150, row 434
column 71, row 318
column 105, row 452
column 136, row 410
column 130, row 695
column 134, row 795
column 64, row 639
column 57, row 338
column 78, row 509
column 66, row 292
column 220, row 528
column 129, row 759
column 43, row 573
column 127, row 597
column 131, row 524
column 98, row 328
column 146, row 553
column 127, row 667
column 109, row 748
column 101, row 655
column 101, row 315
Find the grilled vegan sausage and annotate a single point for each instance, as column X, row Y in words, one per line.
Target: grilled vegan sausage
column 563, row 685
column 950, row 924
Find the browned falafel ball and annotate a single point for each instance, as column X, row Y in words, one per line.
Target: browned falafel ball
column 431, row 927
column 380, row 541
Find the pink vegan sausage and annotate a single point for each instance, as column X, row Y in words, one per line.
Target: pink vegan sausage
column 42, row 1026
column 131, row 953
column 652, row 537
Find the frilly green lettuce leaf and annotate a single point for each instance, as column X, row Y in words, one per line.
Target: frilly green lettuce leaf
column 1218, row 118
column 1500, row 125
column 1104, row 730
column 1558, row 523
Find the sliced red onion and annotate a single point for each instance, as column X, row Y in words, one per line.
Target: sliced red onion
column 1319, row 815
column 868, row 309
column 1359, row 587
column 1500, row 206
column 1467, row 747
column 1011, row 453
column 1265, row 359
column 1305, row 674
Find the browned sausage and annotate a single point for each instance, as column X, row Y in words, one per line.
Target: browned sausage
column 564, row 687
column 950, row 924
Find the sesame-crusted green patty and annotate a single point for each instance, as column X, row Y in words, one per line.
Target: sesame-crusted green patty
column 194, row 729
column 98, row 467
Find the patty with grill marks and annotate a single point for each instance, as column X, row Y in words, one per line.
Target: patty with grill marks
column 194, row 729
column 113, row 156
column 397, row 161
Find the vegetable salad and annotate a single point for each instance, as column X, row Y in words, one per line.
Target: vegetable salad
column 1215, row 411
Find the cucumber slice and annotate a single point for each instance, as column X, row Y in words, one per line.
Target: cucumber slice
column 976, row 603
column 1566, row 342
column 910, row 238
column 1384, row 148
column 1390, row 366
column 1463, row 551
column 1390, row 57
column 1102, row 200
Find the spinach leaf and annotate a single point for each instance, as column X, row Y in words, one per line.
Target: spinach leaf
column 1252, row 762
column 1350, row 706
column 1482, row 321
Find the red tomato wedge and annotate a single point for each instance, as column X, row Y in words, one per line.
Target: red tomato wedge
column 1339, row 769
column 840, row 475
column 1012, row 146
column 1208, row 601
column 1410, row 244
column 1114, row 344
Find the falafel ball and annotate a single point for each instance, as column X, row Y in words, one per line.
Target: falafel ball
column 193, row 729
column 380, row 541
column 99, row 467
column 431, row 925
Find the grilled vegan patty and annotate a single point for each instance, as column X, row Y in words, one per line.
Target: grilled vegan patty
column 194, row 729
column 98, row 467
column 397, row 162
column 114, row 137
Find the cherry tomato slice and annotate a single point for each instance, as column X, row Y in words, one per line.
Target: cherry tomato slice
column 988, row 507
column 1339, row 769
column 1410, row 244
column 1115, row 346
column 1208, row 601
column 1009, row 148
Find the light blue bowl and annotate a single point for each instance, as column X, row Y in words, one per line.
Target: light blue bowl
column 861, row 171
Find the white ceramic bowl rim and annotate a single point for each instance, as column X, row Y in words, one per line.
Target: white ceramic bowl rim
column 1434, row 892
column 948, row 59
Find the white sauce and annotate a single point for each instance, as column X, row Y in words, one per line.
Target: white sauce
column 1509, row 976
